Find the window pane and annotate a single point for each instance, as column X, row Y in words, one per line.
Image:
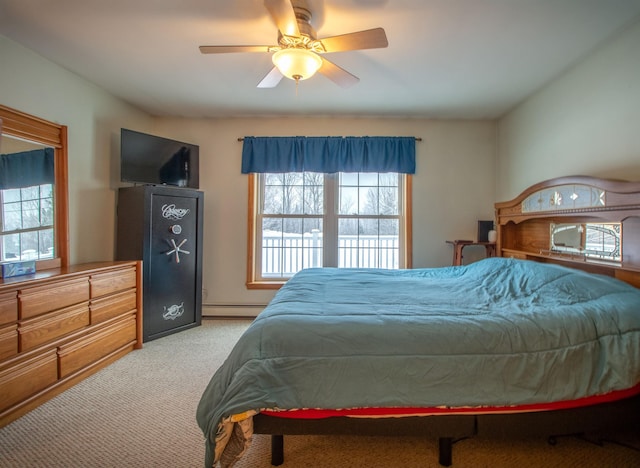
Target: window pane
column 271, row 246
column 292, row 246
column 46, row 212
column 30, row 214
column 296, row 245
column 368, row 227
column 11, row 195
column 313, row 178
column 389, row 244
column 30, row 193
column 368, row 179
column 313, row 239
column 272, row 200
column 368, row 243
column 348, row 243
column 282, row 250
column 46, row 191
column 46, row 243
column 390, row 227
column 314, row 199
column 29, row 245
column 313, row 193
column 293, row 200
column 388, row 200
column 368, row 200
column 10, row 247
column 27, row 208
column 294, row 178
column 348, row 178
column 273, row 179
column 11, row 216
column 388, row 180
column 348, row 200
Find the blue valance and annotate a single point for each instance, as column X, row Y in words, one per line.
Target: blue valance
column 27, row 168
column 329, row 154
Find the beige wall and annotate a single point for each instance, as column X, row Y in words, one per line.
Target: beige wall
column 452, row 189
column 36, row 86
column 586, row 122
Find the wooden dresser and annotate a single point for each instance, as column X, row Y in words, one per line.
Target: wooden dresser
column 59, row 326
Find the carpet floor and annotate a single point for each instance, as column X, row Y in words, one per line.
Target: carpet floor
column 140, row 412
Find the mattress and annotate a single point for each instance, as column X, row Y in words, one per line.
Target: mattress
column 496, row 333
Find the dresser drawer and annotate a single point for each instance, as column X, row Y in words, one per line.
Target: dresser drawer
column 91, row 348
column 112, row 306
column 111, row 282
column 27, row 378
column 8, row 307
column 40, row 330
column 8, row 341
column 41, row 299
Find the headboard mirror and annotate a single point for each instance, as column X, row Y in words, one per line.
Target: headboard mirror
column 593, row 240
column 33, row 216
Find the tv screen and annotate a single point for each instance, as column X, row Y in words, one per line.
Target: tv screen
column 149, row 159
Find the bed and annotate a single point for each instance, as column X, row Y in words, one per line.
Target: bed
column 527, row 340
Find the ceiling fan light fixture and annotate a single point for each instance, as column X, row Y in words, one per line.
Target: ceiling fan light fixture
column 297, row 64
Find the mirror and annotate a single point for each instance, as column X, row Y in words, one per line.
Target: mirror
column 34, row 220
column 592, row 240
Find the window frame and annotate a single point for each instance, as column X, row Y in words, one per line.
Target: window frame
column 17, row 124
column 254, row 280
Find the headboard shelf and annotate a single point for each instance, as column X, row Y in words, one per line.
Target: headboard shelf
column 524, row 223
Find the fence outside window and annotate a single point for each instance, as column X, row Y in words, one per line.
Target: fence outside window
column 284, row 254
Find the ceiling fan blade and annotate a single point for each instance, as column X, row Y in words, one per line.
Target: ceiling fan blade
column 272, row 79
column 338, row 75
column 233, row 48
column 285, row 18
column 369, row 39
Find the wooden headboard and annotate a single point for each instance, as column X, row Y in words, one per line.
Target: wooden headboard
column 524, row 223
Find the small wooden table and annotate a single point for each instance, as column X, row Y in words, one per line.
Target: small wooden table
column 458, row 245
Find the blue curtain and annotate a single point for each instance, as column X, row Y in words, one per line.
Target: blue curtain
column 26, row 169
column 329, row 154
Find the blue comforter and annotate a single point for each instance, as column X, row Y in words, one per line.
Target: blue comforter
column 497, row 332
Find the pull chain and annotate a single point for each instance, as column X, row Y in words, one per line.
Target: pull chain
column 297, row 78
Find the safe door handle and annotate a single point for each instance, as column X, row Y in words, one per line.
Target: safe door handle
column 177, row 249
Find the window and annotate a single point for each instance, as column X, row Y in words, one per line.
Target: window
column 347, row 220
column 26, row 223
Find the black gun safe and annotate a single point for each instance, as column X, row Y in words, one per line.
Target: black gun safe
column 162, row 226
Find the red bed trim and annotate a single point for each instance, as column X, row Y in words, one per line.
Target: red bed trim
column 404, row 412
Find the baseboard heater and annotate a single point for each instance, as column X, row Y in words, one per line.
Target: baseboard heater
column 232, row 310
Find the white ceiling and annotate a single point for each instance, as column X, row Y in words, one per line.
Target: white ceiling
column 446, row 58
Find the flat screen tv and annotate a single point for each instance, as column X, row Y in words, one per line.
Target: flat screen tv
column 149, row 159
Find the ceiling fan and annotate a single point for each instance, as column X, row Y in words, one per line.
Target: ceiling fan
column 298, row 54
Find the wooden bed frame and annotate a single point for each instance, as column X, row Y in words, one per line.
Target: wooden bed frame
column 523, row 226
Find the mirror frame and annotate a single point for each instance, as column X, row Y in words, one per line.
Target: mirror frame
column 30, row 128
